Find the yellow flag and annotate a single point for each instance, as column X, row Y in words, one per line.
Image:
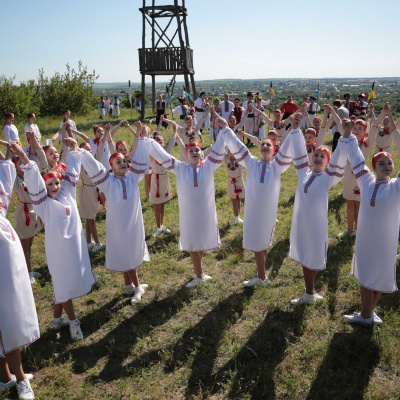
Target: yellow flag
column 272, row 92
column 372, row 95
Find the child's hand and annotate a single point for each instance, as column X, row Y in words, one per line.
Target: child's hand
column 71, row 143
column 107, row 127
column 347, row 125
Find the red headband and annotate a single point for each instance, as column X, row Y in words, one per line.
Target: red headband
column 325, row 151
column 159, row 139
column 31, row 115
column 310, row 131
column 188, row 117
column 66, row 111
column 318, row 118
column 115, row 155
column 377, row 156
column 236, row 98
column 95, row 128
column 46, row 148
column 121, row 141
column 82, row 144
column 51, row 175
column 272, row 133
column 193, row 144
column 277, row 112
column 360, row 122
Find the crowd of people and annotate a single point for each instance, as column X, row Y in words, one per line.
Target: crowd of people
column 45, row 184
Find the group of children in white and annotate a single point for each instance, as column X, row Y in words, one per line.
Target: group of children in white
column 46, row 184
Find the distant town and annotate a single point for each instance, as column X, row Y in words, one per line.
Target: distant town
column 386, row 89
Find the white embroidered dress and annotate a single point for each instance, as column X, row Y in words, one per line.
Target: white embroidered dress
column 263, row 183
column 198, row 221
column 126, row 247
column 66, row 250
column 309, row 232
column 18, row 319
column 374, row 259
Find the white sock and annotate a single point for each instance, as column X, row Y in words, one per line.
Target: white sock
column 74, row 321
column 130, row 286
column 57, row 320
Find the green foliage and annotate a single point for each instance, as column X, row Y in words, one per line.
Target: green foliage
column 71, row 90
column 19, row 100
column 125, row 101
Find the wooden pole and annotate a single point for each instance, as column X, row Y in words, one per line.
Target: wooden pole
column 143, row 97
column 142, row 69
column 153, row 92
column 193, row 87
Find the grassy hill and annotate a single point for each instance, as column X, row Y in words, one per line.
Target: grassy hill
column 218, row 340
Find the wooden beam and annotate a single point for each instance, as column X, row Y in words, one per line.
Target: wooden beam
column 153, row 92
column 193, row 87
column 143, row 97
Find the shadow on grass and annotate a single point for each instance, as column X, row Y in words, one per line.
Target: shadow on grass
column 49, row 344
column 335, row 205
column 117, row 344
column 276, row 256
column 162, row 242
column 289, row 202
column 348, row 365
column 254, row 366
column 338, row 254
column 390, row 301
column 203, row 341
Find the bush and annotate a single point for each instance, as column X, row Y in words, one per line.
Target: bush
column 71, row 90
column 19, row 100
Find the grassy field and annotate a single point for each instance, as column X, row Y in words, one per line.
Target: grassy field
column 220, row 340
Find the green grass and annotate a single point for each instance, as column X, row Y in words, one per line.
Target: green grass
column 219, row 340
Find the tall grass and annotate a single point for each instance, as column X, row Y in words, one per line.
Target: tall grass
column 219, row 340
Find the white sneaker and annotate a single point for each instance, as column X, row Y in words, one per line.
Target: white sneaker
column 157, row 231
column 97, row 247
column 129, row 289
column 318, row 296
column 90, row 245
column 343, row 235
column 35, row 274
column 165, row 229
column 195, row 281
column 12, row 383
column 139, row 292
column 58, row 325
column 375, row 319
column 306, row 298
column 257, row 281
column 357, row 319
column 354, row 233
column 75, row 330
column 32, row 278
column 25, row 391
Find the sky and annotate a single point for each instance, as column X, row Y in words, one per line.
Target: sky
column 268, row 39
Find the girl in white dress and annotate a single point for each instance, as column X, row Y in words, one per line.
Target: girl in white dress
column 126, row 247
column 160, row 190
column 309, row 232
column 32, row 126
column 115, row 111
column 277, row 124
column 374, row 259
column 18, row 323
column 10, row 130
column 263, row 181
column 216, row 113
column 181, row 110
column 66, row 250
column 198, row 221
column 351, row 190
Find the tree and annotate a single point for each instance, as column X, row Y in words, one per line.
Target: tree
column 19, row 100
column 72, row 90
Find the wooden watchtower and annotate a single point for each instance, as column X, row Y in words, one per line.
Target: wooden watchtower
column 169, row 52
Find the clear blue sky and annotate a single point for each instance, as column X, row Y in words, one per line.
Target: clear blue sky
column 309, row 39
